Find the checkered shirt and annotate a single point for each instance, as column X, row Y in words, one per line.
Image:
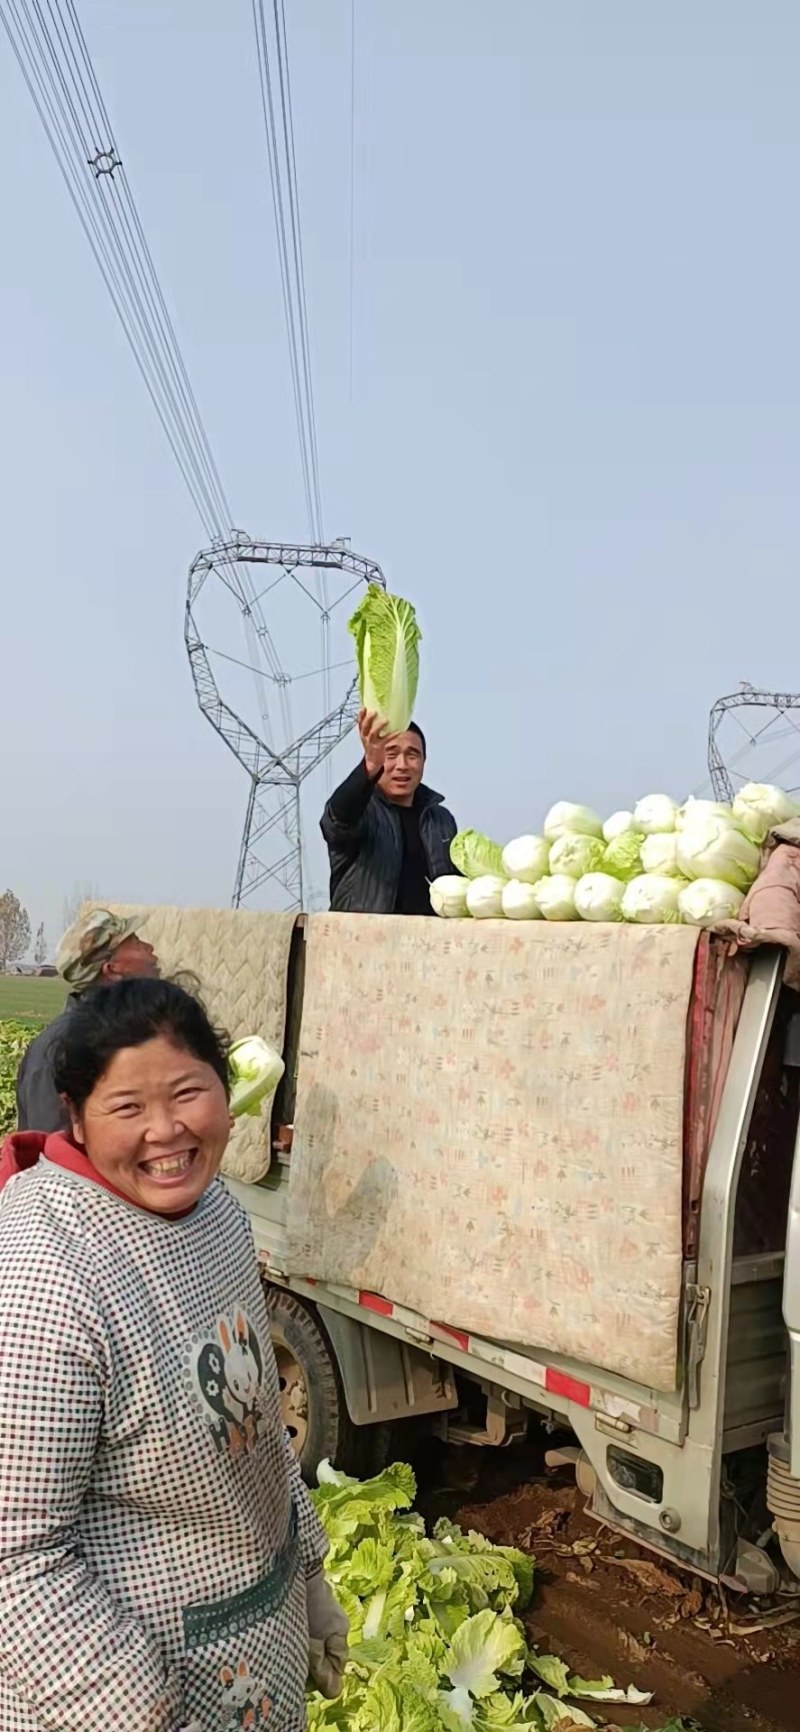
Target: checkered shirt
column 155, row 1535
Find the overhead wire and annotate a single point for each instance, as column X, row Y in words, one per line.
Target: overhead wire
column 51, row 51
column 272, row 53
column 275, row 90
column 279, row 14
column 50, row 47
column 55, row 123
column 297, row 252
column 351, row 225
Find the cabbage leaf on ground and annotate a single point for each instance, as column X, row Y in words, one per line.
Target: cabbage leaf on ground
column 436, row 1639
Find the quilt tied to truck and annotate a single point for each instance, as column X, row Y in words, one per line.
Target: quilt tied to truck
column 489, row 1129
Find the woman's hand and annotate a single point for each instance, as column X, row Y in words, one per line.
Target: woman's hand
column 327, row 1638
column 375, row 738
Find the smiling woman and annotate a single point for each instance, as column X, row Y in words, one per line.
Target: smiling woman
column 160, row 1561
column 145, row 1079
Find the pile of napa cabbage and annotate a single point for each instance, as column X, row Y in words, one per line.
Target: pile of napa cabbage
column 436, row 1641
column 659, row 863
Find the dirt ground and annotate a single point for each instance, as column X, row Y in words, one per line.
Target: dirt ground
column 606, row 1607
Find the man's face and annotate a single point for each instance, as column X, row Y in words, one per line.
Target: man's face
column 403, row 765
column 132, row 956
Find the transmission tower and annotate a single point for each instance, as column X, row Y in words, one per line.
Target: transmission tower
column 747, row 731
column 271, row 849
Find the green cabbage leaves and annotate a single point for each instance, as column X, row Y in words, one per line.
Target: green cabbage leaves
column 436, row 1642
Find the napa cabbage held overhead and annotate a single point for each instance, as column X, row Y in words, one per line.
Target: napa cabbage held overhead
column 387, row 638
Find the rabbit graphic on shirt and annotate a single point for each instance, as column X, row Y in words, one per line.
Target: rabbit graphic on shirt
column 245, row 1702
column 228, row 1372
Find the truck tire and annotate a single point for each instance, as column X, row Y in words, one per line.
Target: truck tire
column 312, row 1398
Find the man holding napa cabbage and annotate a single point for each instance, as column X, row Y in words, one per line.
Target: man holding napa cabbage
column 388, row 834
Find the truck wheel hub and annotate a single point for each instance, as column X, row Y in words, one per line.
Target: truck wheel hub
column 294, row 1396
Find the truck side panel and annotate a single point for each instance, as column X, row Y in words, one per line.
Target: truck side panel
column 385, row 1379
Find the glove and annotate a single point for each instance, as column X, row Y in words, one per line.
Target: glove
column 327, row 1637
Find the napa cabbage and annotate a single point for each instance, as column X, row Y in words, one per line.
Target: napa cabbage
column 475, row 855
column 623, row 855
column 387, row 638
column 485, row 897
column 526, row 858
column 255, row 1070
column 655, row 813
column 660, row 854
column 556, row 897
column 759, row 806
column 519, row 901
column 449, row 897
column 598, row 896
column 706, row 902
column 574, row 855
column 713, row 848
column 652, row 900
column 693, row 809
column 565, row 818
column 620, row 824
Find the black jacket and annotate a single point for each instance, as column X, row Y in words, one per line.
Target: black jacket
column 39, row 1108
column 365, row 843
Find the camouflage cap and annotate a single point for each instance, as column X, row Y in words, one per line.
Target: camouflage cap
column 89, row 942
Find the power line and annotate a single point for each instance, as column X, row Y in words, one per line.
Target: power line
column 276, row 103
column 351, row 261
column 297, row 247
column 51, row 51
column 73, row 153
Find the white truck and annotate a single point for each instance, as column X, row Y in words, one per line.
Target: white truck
column 523, row 1172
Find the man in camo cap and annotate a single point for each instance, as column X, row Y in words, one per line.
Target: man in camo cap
column 100, row 947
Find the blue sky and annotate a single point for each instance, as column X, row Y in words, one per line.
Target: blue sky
column 573, row 434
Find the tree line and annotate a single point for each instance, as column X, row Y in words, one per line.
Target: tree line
column 16, row 930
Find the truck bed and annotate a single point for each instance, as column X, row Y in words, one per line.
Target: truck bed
column 489, row 1129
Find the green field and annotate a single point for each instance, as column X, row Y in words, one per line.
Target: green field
column 25, row 998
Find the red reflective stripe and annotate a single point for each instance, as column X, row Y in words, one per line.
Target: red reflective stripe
column 557, row 1383
column 457, row 1335
column 373, row 1302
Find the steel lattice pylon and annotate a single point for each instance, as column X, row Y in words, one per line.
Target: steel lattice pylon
column 271, row 847
column 725, row 776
